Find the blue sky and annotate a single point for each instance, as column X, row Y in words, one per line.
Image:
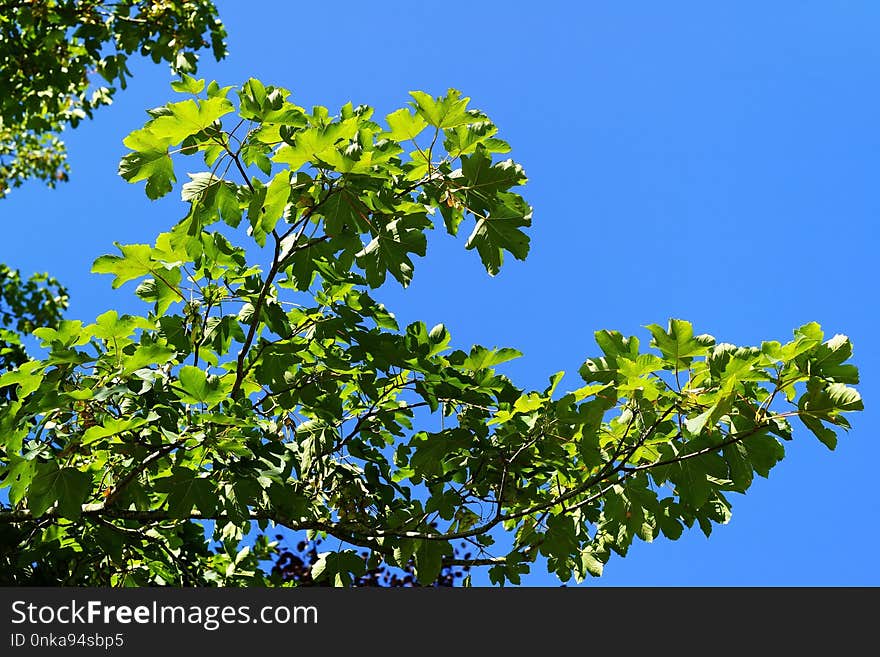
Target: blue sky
column 716, row 162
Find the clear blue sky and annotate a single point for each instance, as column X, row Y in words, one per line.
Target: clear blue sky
column 716, row 162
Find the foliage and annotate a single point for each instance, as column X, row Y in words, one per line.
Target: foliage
column 299, row 565
column 265, row 385
column 26, row 305
column 50, row 51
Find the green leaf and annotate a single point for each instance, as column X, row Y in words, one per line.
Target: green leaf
column 389, row 250
column 483, row 180
column 464, row 139
column 199, row 186
column 175, row 122
column 828, row 361
column 811, row 331
column 188, row 84
column 500, row 231
column 825, row 402
column 528, row 403
column 161, row 291
column 277, row 194
column 12, row 434
column 614, row 345
column 668, row 522
column 404, row 125
column 154, row 166
column 826, row 436
column 429, row 559
column 344, row 209
column 439, row 338
column 68, row 487
column 764, row 452
column 134, row 262
column 432, row 449
column 19, row 473
column 711, row 416
column 696, row 424
column 445, row 111
column 146, row 355
column 68, row 333
column 842, row 398
column 111, row 427
column 677, row 343
column 201, row 388
column 616, row 348
column 339, row 567
column 635, row 371
column 590, row 563
column 110, row 326
column 28, row 377
column 187, row 118
column 482, row 358
column 187, row 490
column 500, row 214
column 692, row 483
column 308, row 145
column 220, row 331
column 560, row 539
column 739, row 466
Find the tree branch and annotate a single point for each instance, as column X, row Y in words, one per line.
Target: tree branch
column 357, row 536
column 255, row 320
column 143, row 465
column 490, row 561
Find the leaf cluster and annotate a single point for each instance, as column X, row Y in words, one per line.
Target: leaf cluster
column 25, row 305
column 60, row 60
column 265, row 385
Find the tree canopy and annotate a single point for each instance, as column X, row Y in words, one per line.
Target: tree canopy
column 53, row 54
column 264, row 384
column 26, row 305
